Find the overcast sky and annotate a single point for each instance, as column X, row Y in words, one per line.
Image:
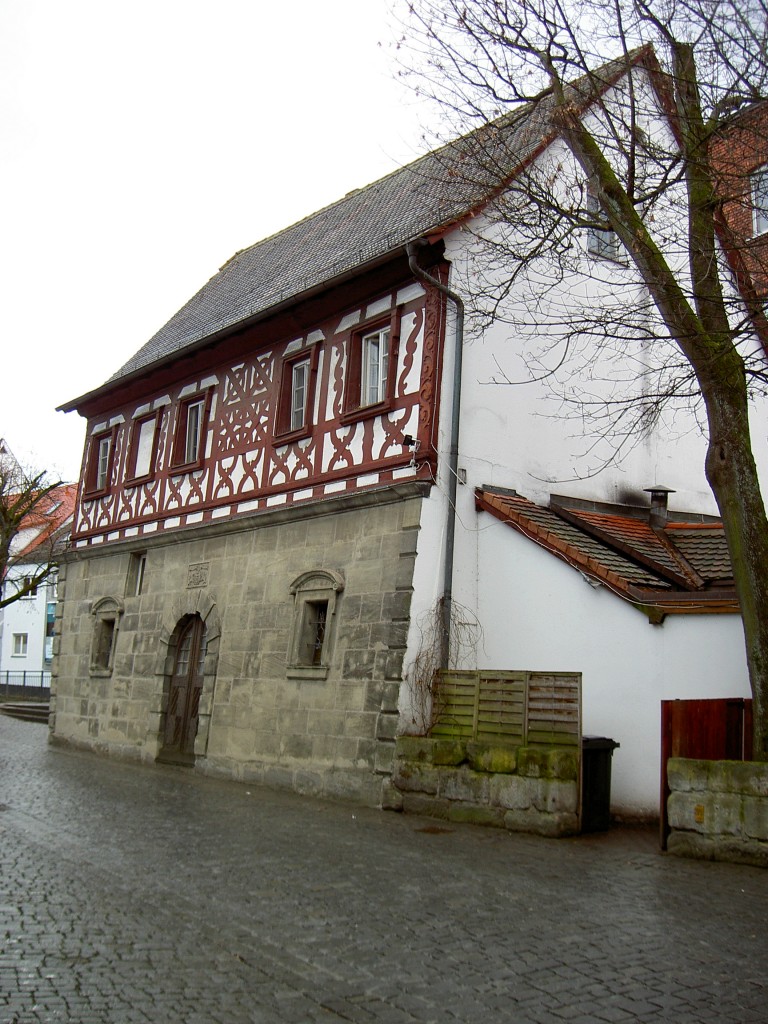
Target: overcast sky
column 141, row 145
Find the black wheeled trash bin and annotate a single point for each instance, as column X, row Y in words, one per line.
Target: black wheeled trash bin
column 596, row 755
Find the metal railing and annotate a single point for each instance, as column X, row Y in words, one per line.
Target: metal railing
column 25, row 685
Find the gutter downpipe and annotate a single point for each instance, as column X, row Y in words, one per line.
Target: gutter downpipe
column 453, row 452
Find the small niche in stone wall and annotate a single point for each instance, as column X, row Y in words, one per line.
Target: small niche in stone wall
column 197, row 575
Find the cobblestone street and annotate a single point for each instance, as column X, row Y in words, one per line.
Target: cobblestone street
column 153, row 894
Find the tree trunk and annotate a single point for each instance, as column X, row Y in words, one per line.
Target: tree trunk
column 732, row 475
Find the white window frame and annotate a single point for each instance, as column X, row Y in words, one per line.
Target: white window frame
column 374, row 366
column 193, row 430
column 759, row 190
column 20, row 645
column 102, row 462
column 299, row 392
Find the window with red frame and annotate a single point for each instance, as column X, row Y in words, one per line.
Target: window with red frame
column 297, row 392
column 100, row 457
column 189, row 438
column 143, row 451
column 372, row 362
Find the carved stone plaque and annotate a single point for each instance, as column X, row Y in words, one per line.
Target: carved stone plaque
column 197, row 575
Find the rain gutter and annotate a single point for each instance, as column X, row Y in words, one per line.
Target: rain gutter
column 412, row 249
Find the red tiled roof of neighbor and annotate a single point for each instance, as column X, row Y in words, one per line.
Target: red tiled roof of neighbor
column 682, row 567
column 50, row 516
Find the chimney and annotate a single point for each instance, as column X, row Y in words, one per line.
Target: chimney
column 657, row 514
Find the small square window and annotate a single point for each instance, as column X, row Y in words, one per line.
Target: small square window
column 29, row 586
column 20, row 645
column 189, row 439
column 760, row 200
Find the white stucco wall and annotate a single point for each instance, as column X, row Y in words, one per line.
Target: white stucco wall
column 540, row 614
column 535, row 612
column 27, row 615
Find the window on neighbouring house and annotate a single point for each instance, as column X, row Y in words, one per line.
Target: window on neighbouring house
column 29, row 587
column 600, row 241
column 19, row 645
column 760, row 200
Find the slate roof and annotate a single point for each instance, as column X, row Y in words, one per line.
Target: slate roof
column 680, row 568
column 366, row 226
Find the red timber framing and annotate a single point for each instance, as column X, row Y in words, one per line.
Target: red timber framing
column 249, row 457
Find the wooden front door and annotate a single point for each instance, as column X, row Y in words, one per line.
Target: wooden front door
column 186, row 686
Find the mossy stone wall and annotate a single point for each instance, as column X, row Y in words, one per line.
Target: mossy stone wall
column 523, row 789
column 718, row 810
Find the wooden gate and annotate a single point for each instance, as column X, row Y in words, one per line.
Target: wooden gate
column 711, row 730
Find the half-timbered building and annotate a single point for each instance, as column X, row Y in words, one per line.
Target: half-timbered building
column 283, row 485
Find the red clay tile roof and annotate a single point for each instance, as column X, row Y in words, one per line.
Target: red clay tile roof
column 49, row 519
column 682, row 568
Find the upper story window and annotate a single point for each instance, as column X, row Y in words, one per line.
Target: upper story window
column 143, row 451
column 98, row 475
column 601, row 242
column 371, row 362
column 759, row 183
column 19, row 645
column 189, row 438
column 296, row 397
column 299, row 388
column 375, row 366
column 29, row 586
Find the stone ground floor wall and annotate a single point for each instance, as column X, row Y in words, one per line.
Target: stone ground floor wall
column 523, row 789
column 262, row 717
column 718, row 810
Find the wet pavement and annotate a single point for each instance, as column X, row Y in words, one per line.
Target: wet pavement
column 135, row 893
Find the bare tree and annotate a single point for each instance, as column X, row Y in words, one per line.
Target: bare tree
column 25, row 519
column 660, row 196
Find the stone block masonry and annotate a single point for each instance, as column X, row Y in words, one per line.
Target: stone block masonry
column 265, row 714
column 718, row 810
column 523, row 789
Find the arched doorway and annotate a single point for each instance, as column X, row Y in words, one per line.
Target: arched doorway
column 185, row 687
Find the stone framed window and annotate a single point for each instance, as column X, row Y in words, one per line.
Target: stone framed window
column 106, row 613
column 315, row 595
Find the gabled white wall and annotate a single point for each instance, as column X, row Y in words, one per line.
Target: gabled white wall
column 535, row 612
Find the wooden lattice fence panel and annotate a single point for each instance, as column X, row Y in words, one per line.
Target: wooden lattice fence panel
column 519, row 708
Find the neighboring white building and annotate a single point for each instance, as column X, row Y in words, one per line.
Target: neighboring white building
column 266, row 505
column 27, row 624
